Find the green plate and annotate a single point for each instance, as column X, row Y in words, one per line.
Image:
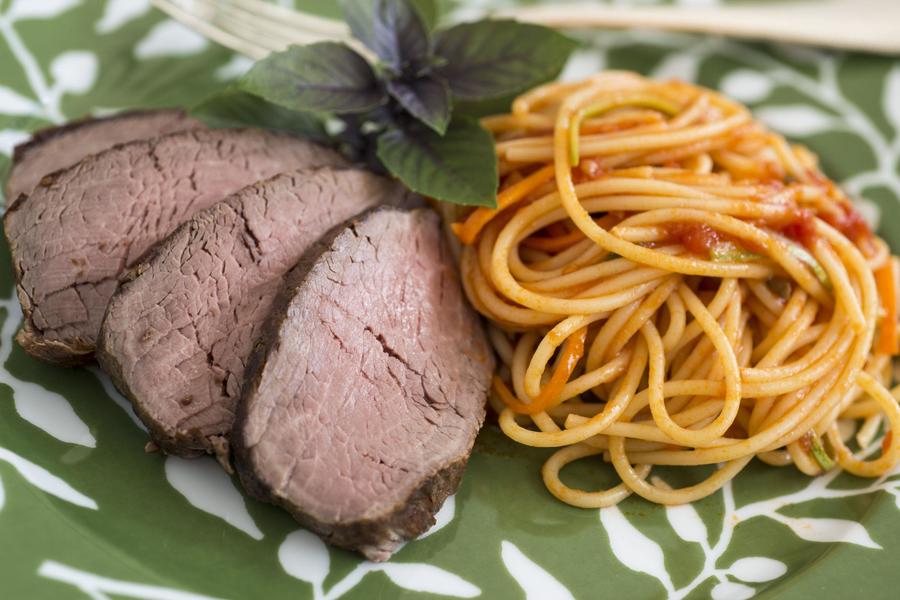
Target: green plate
column 85, row 513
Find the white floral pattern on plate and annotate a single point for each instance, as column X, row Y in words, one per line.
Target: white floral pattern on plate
column 817, row 105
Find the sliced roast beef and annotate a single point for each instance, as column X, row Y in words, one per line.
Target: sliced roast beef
column 176, row 338
column 55, row 148
column 83, row 226
column 364, row 396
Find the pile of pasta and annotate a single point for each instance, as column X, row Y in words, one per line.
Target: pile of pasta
column 667, row 282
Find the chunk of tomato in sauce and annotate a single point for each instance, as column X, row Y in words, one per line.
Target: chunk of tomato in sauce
column 801, row 227
column 698, row 238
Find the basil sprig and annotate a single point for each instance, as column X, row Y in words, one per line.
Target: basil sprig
column 411, row 113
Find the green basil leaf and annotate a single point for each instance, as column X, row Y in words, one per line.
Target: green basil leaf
column 360, row 16
column 321, row 77
column 234, row 108
column 425, row 98
column 483, row 108
column 458, row 167
column 493, row 58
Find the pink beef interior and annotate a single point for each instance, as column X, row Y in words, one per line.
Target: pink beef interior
column 374, row 383
column 72, row 238
column 57, row 148
column 177, row 338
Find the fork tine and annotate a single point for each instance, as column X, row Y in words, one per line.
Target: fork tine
column 255, row 28
column 204, row 27
column 282, row 24
column 263, row 30
column 323, row 26
column 255, row 31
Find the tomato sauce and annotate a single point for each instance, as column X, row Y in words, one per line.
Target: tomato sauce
column 801, row 227
column 698, row 238
column 850, row 222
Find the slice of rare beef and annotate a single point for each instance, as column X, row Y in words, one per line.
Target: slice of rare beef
column 55, row 148
column 82, row 227
column 364, row 396
column 177, row 336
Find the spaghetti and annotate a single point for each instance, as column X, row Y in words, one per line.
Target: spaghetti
column 669, row 283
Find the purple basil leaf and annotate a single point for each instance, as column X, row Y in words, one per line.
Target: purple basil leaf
column 399, row 37
column 425, row 98
column 360, row 16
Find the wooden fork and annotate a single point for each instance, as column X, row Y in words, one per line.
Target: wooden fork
column 255, row 28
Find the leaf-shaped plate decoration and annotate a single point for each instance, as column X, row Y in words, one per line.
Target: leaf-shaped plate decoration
column 74, row 72
column 49, row 412
column 536, row 582
column 119, row 12
column 891, row 98
column 830, row 530
column 46, row 410
column 10, row 138
column 170, row 38
column 205, row 485
column 503, row 497
column 44, row 9
column 687, row 523
column 757, row 569
column 46, row 481
column 797, row 119
column 14, row 103
column 303, row 555
column 869, row 211
column 729, row 590
column 746, row 85
column 98, row 587
column 634, row 549
column 420, row 577
column 678, row 65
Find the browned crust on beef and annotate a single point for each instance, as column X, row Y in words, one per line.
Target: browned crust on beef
column 194, row 441
column 60, row 353
column 46, row 134
column 375, row 538
column 111, row 366
column 63, row 353
column 73, row 351
column 406, row 521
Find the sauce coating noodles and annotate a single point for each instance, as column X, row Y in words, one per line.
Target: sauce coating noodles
column 669, row 283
